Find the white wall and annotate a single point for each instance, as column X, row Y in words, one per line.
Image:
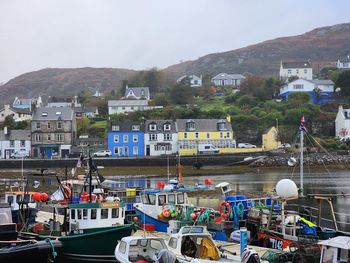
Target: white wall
column 303, row 73
column 160, row 139
column 5, row 145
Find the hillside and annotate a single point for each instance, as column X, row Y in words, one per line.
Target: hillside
column 59, row 81
column 322, row 46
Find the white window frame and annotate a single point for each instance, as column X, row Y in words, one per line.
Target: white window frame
column 153, row 127
column 116, row 138
column 125, row 138
column 167, row 127
column 135, row 138
column 135, row 150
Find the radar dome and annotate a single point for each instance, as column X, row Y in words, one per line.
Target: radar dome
column 286, row 188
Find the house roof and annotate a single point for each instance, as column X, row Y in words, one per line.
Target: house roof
column 126, row 126
column 19, row 110
column 15, row 135
column 20, row 101
column 221, row 76
column 296, row 64
column 53, row 114
column 322, row 81
column 127, row 103
column 138, row 91
column 160, row 125
column 206, row 125
column 345, row 59
column 188, row 76
column 91, row 109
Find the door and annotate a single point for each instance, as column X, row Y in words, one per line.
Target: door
column 49, row 152
column 7, row 154
column 148, row 150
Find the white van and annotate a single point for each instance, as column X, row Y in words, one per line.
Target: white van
column 207, row 149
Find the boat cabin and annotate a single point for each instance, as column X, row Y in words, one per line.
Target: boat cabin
column 335, row 250
column 15, row 198
column 160, row 198
column 138, row 248
column 95, row 215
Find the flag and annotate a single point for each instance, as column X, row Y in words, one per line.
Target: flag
column 302, row 123
column 57, row 195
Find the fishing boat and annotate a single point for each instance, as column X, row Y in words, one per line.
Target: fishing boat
column 139, row 248
column 335, row 249
column 195, row 244
column 13, row 249
column 92, row 221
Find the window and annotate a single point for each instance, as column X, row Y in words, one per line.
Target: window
column 297, row 71
column 93, row 213
column 190, row 126
column 221, row 135
column 305, row 71
column 208, row 135
column 49, row 125
column 289, row 71
column 161, row 199
column 104, row 213
column 173, row 242
column 49, row 137
column 116, row 150
column 171, row 199
column 145, row 199
column 298, row 86
column 222, row 126
column 115, row 127
column 125, row 138
column 135, row 127
column 23, row 143
column 37, row 137
column 72, row 214
column 38, row 125
column 197, row 135
column 135, row 150
column 85, row 214
column 79, row 213
column 167, row 127
column 59, row 125
column 135, row 138
column 228, row 135
column 185, row 135
column 180, row 198
column 156, row 244
column 152, row 199
column 152, row 127
column 167, row 137
column 59, row 137
column 116, row 138
column 152, row 137
column 12, row 143
column 122, row 247
column 115, row 212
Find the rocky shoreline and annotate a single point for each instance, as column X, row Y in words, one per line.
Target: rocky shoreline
column 309, row 159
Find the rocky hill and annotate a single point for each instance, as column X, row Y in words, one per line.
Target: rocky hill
column 59, row 81
column 322, row 46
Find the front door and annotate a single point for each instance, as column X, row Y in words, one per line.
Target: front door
column 148, row 150
column 7, row 154
column 48, row 152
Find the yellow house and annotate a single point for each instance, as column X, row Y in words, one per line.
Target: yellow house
column 270, row 140
column 193, row 134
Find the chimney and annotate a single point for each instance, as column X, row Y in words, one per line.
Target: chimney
column 5, row 130
column 348, row 56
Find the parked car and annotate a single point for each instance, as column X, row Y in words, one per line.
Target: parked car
column 246, row 145
column 20, row 154
column 284, row 146
column 102, row 153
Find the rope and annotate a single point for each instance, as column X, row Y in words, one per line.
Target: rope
column 54, row 253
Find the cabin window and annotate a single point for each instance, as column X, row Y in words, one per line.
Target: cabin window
column 173, row 242
column 144, row 199
column 72, row 214
column 156, row 244
column 115, row 212
column 85, row 214
column 161, row 199
column 122, row 247
column 10, row 199
column 79, row 213
column 93, row 213
column 171, row 199
column 152, row 199
column 104, row 213
column 19, row 198
column 180, row 198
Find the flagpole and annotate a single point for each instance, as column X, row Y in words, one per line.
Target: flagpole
column 302, row 122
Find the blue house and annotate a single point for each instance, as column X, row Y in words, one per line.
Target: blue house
column 126, row 139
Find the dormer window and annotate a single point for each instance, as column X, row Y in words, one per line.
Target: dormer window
column 221, row 125
column 190, row 125
column 142, row 92
column 115, row 127
column 153, row 127
column 167, row 127
column 135, row 127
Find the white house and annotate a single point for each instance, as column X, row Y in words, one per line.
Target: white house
column 125, row 106
column 302, row 70
column 12, row 141
column 320, row 90
column 160, row 137
column 195, row 81
column 342, row 123
column 224, row 79
column 18, row 114
column 137, row 93
column 344, row 63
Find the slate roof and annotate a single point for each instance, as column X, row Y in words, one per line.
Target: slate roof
column 19, row 110
column 345, row 59
column 15, row 135
column 206, row 125
column 138, row 91
column 53, row 114
column 127, row 103
column 322, row 81
column 22, row 101
column 160, row 126
column 126, row 126
column 296, row 64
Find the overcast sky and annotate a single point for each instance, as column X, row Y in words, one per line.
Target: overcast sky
column 140, row 34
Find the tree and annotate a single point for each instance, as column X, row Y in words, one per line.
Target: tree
column 9, row 122
column 181, row 94
column 298, row 99
column 343, row 81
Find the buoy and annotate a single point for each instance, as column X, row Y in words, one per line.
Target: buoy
column 136, row 218
column 286, row 188
column 44, row 197
column 193, row 215
column 37, row 197
column 208, row 181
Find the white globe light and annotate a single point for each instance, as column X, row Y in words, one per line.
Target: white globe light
column 286, row 188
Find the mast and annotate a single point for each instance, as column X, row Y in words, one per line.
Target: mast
column 90, row 179
column 302, row 123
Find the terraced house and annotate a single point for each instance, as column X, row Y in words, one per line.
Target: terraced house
column 195, row 132
column 53, row 131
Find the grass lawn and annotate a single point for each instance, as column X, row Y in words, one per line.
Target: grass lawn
column 100, row 124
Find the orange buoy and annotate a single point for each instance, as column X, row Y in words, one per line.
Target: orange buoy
column 37, row 197
column 44, row 197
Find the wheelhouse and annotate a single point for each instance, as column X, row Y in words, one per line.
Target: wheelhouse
column 159, row 198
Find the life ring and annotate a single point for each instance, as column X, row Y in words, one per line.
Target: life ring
column 225, row 206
